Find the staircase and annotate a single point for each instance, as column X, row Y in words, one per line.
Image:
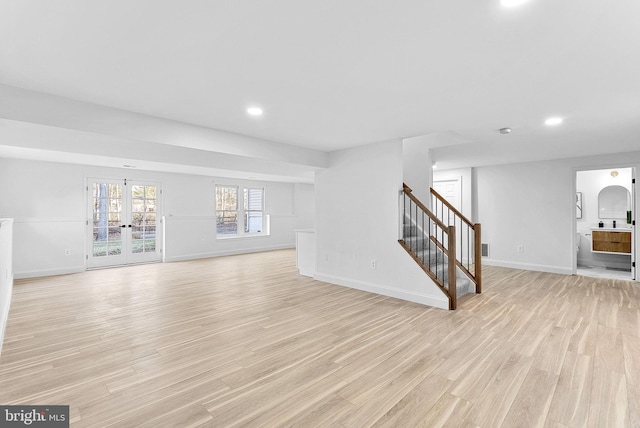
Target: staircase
column 431, row 254
column 451, row 260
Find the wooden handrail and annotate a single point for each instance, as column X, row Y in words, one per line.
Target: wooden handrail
column 452, row 208
column 407, row 190
column 475, row 276
column 448, row 246
column 448, row 284
column 462, row 267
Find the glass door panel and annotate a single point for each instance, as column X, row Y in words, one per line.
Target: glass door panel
column 143, row 217
column 107, row 219
column 124, row 223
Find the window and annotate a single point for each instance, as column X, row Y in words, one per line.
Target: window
column 253, row 210
column 240, row 214
column 226, row 210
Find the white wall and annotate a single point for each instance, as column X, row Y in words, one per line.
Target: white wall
column 532, row 205
column 528, row 205
column 417, row 168
column 357, row 221
column 48, row 202
column 6, row 273
column 590, row 183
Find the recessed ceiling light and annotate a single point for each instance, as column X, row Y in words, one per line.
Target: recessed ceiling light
column 254, row 111
column 512, row 3
column 552, row 121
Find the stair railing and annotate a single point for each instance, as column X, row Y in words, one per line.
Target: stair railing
column 469, row 248
column 431, row 243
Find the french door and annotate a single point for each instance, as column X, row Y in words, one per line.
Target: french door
column 124, row 225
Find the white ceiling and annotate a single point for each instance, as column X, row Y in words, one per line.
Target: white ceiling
column 335, row 74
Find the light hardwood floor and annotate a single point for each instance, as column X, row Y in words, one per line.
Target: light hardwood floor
column 245, row 341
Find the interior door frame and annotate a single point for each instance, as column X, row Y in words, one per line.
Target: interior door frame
column 127, row 258
column 634, row 207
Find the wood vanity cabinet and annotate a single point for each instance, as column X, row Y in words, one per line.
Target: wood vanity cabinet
column 611, row 242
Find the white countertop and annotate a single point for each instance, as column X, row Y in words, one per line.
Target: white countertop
column 612, row 229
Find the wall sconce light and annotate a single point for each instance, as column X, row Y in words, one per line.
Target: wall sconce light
column 614, row 173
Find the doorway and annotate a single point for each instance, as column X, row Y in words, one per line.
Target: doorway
column 124, row 222
column 605, row 223
column 451, row 190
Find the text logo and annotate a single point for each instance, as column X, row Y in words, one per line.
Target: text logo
column 34, row 416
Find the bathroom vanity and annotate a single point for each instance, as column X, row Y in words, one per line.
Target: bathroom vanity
column 611, row 241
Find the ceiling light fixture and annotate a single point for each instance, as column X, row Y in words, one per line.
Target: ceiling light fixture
column 512, row 3
column 552, row 121
column 254, row 111
column 614, row 173
column 505, row 130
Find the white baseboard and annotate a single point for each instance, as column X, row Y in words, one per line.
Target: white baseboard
column 49, row 272
column 528, row 266
column 210, row 254
column 194, row 256
column 411, row 296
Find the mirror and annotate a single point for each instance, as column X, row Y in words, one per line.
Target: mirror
column 614, row 202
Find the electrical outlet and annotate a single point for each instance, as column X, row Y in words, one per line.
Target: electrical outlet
column 67, row 252
column 520, row 249
column 374, row 264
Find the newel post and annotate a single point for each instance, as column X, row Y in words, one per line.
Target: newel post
column 451, row 249
column 478, row 256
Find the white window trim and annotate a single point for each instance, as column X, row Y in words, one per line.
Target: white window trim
column 240, row 233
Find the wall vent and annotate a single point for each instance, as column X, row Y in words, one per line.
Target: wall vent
column 485, row 250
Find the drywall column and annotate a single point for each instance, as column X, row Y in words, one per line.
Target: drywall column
column 357, row 219
column 417, row 171
column 6, row 273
